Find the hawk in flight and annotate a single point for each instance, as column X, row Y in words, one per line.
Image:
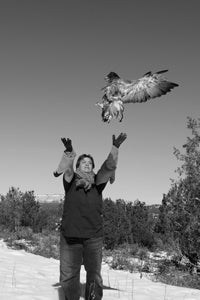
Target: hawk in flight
column 118, row 92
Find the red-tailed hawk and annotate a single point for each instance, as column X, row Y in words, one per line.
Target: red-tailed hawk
column 118, row 92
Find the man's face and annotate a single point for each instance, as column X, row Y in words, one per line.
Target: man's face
column 86, row 165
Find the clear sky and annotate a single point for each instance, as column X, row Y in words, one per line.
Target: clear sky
column 53, row 58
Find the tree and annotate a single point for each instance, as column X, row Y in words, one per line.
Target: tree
column 127, row 222
column 163, row 224
column 142, row 224
column 49, row 215
column 11, row 209
column 30, row 209
column 18, row 209
column 182, row 203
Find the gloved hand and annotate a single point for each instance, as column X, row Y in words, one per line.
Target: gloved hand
column 119, row 140
column 68, row 144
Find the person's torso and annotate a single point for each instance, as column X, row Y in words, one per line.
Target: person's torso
column 82, row 211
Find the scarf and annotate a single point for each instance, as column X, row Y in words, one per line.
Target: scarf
column 84, row 180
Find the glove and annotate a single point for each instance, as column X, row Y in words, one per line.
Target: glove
column 119, row 140
column 68, row 144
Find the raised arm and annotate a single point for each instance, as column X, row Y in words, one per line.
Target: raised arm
column 66, row 163
column 107, row 170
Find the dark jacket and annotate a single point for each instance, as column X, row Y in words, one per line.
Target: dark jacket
column 82, row 211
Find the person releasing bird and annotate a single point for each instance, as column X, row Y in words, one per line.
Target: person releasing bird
column 118, row 92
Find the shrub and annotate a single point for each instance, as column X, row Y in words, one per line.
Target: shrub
column 120, row 262
column 133, row 249
column 142, row 253
column 172, row 271
column 47, row 246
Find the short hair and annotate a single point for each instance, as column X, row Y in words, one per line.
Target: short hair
column 83, row 156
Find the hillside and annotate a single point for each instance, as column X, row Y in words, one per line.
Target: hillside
column 49, row 197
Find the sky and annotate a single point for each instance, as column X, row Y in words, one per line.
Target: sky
column 54, row 56
column 27, row 276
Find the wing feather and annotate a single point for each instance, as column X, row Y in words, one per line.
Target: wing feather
column 148, row 87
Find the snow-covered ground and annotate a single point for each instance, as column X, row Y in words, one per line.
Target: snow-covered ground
column 24, row 276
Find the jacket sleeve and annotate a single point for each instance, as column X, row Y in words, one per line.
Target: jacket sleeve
column 107, row 170
column 66, row 166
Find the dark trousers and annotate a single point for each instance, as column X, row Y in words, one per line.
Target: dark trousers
column 74, row 252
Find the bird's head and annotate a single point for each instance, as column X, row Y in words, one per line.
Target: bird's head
column 111, row 76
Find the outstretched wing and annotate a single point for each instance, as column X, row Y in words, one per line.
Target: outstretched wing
column 148, row 87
